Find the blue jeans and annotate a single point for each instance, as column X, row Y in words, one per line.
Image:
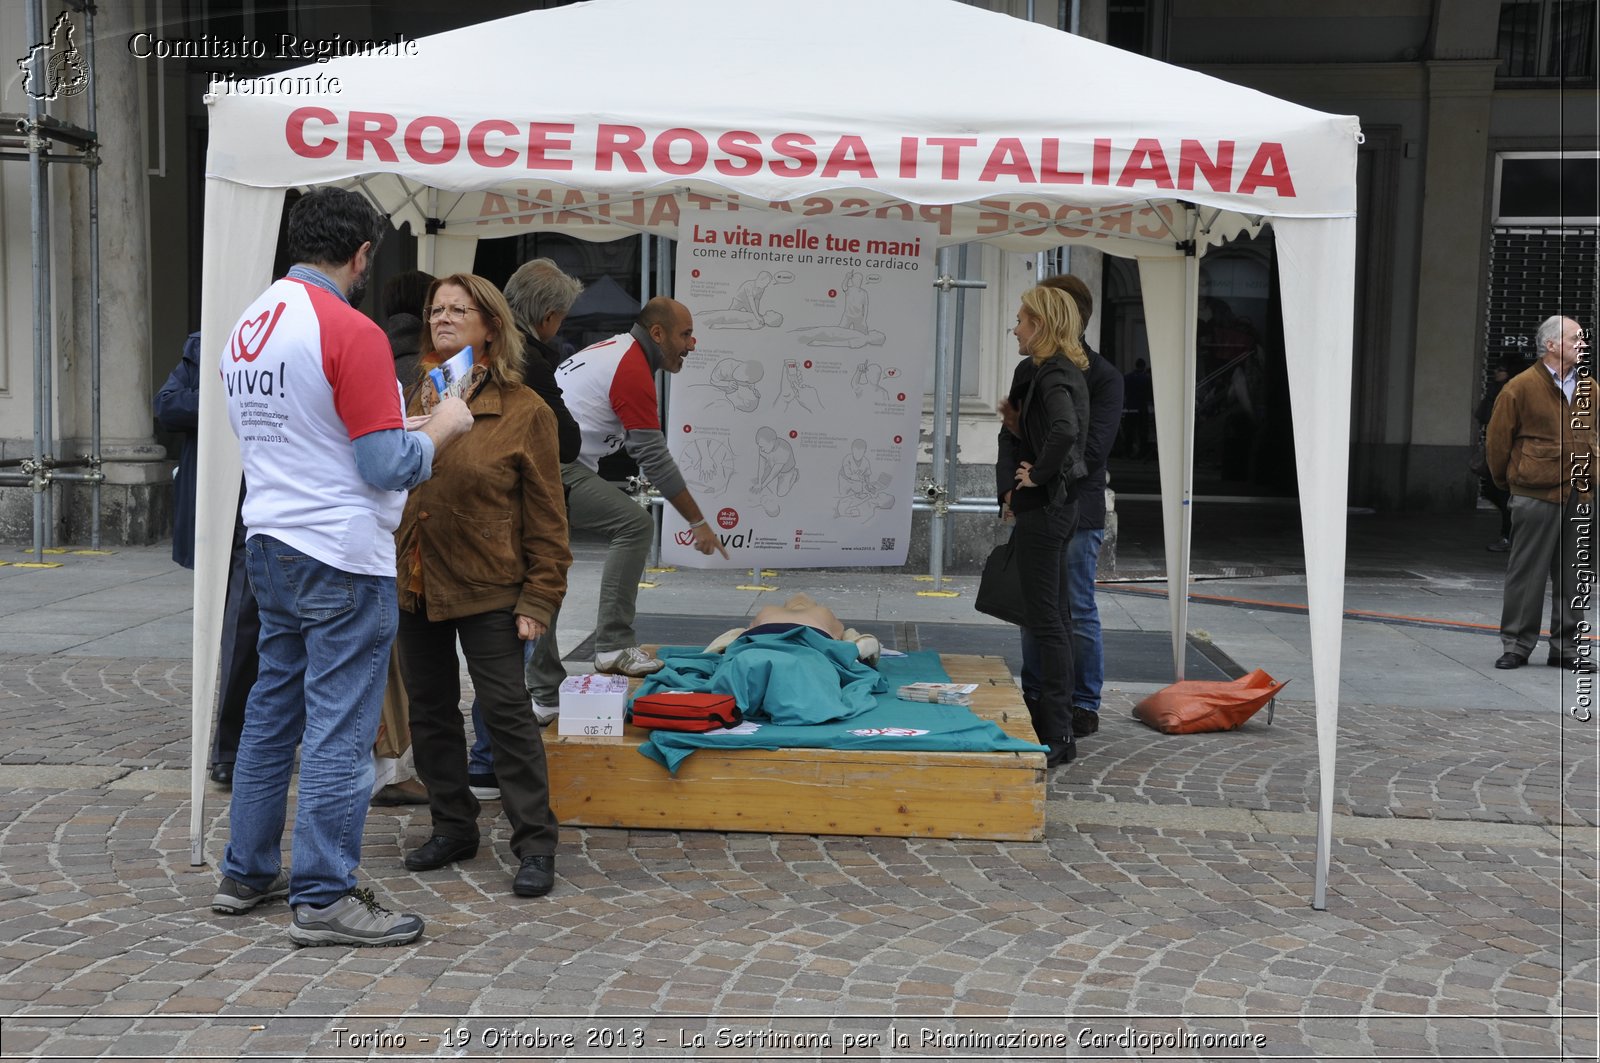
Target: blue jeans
column 325, row 638
column 1088, row 649
column 480, row 758
column 1079, row 561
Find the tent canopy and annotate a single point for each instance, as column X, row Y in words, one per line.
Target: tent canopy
column 599, row 117
column 609, row 118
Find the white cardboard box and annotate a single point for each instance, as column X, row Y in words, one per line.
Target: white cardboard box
column 592, row 705
column 589, row 726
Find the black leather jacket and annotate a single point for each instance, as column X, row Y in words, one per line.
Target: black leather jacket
column 1052, row 403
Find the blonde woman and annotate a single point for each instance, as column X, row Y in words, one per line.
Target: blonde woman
column 1044, row 419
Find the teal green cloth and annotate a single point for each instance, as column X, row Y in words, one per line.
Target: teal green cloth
column 793, row 677
column 889, row 724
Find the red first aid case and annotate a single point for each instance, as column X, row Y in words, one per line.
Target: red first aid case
column 685, row 712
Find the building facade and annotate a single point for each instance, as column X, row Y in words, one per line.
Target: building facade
column 1477, row 199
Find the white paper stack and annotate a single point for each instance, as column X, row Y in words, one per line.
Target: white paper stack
column 591, row 705
column 938, row 693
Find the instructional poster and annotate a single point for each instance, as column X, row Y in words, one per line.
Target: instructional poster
column 795, row 420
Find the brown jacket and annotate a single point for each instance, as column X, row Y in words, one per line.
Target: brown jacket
column 491, row 523
column 1537, row 444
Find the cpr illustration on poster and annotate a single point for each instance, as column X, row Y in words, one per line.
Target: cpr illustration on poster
column 796, row 419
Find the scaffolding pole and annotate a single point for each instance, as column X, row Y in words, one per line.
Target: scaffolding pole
column 37, row 132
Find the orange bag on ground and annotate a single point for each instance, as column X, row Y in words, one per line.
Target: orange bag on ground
column 1195, row 705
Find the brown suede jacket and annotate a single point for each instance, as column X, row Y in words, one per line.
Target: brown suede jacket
column 490, row 526
column 1538, row 445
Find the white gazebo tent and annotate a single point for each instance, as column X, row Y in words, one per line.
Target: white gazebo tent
column 606, row 119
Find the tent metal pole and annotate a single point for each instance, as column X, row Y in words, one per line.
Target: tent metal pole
column 646, row 261
column 39, row 222
column 95, row 472
column 427, row 249
column 958, row 333
column 664, row 249
column 938, row 490
column 1180, row 593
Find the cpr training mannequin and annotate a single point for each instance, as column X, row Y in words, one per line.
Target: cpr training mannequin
column 802, row 610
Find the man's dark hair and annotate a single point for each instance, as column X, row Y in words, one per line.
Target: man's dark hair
column 405, row 293
column 328, row 225
column 1079, row 291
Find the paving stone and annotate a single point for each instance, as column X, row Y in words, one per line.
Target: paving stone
column 1463, row 886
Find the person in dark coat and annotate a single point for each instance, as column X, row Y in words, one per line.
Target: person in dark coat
column 1082, row 558
column 177, row 409
column 403, row 296
column 1044, row 421
column 1500, row 498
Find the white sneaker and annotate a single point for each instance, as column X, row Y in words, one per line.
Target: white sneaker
column 630, row 661
column 545, row 715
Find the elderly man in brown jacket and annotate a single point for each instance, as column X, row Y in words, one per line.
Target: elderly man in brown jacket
column 1541, row 446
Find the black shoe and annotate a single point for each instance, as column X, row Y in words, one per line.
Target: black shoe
column 1499, row 546
column 1571, row 664
column 1085, row 722
column 536, row 876
column 222, row 774
column 1510, row 660
column 1062, row 751
column 438, row 851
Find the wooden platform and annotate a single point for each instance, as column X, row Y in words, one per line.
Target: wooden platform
column 605, row 782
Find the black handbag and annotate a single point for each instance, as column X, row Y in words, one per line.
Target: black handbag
column 1478, row 463
column 1000, row 589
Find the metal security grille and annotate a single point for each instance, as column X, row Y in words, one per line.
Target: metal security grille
column 1533, row 273
column 1547, row 39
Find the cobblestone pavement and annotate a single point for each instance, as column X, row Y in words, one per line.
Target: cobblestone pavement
column 1165, row 914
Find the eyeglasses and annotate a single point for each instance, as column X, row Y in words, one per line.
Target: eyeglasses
column 455, row 313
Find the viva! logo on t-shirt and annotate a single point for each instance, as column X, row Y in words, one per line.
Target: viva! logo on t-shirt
column 246, row 345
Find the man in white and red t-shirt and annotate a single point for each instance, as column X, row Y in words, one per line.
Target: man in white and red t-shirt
column 611, row 390
column 327, row 462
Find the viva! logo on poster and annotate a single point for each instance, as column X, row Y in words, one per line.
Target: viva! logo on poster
column 795, row 421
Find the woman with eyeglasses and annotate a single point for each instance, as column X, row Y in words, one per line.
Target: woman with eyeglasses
column 1044, row 419
column 482, row 556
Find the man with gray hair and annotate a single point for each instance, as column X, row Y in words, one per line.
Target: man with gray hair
column 1541, row 446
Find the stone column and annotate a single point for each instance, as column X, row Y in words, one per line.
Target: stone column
column 1452, row 247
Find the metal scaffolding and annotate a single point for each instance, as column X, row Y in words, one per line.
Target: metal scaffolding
column 42, row 140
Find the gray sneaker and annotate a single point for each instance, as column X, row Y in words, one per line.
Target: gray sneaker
column 630, row 661
column 354, row 919
column 235, row 898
